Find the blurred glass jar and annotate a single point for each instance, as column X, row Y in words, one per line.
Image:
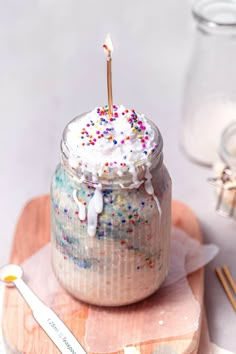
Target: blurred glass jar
column 225, row 173
column 118, row 254
column 209, row 102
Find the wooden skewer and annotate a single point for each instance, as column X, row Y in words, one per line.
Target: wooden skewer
column 225, row 286
column 229, row 278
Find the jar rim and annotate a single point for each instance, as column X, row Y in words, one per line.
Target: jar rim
column 215, row 14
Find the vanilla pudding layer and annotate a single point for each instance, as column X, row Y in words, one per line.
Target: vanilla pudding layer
column 121, row 285
column 110, row 209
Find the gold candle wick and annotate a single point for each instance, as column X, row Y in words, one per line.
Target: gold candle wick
column 108, row 48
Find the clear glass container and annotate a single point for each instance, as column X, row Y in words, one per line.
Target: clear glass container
column 111, row 220
column 225, row 172
column 209, row 102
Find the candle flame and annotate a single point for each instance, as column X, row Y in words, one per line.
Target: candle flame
column 108, row 47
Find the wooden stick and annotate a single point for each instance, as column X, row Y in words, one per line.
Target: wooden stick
column 226, row 288
column 229, row 278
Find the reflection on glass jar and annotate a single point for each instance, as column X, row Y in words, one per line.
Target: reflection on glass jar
column 225, row 171
column 111, row 208
column 209, row 102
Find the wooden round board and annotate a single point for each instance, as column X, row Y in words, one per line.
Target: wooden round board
column 32, row 233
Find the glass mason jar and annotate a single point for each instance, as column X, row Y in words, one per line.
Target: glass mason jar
column 209, row 102
column 225, row 171
column 110, row 219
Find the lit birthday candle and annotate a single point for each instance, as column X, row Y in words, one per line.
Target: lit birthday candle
column 108, row 47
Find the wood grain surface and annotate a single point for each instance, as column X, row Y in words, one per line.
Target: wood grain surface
column 33, row 232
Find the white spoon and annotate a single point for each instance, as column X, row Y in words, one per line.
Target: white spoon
column 54, row 327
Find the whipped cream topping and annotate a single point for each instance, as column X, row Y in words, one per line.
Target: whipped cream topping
column 102, row 144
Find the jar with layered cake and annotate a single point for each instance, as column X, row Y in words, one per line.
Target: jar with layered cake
column 111, row 208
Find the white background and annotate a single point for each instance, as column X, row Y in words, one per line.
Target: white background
column 52, row 67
